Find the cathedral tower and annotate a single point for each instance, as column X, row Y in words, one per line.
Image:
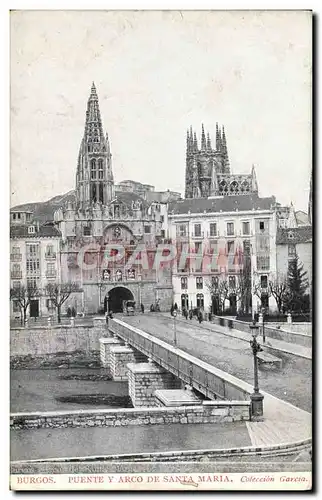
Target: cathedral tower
column 94, row 177
column 203, row 165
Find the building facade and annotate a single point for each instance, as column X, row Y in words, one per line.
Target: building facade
column 34, row 261
column 101, row 217
column 236, row 237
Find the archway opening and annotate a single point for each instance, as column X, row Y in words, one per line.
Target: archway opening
column 116, row 296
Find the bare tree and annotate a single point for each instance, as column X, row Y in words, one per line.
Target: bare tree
column 59, row 293
column 242, row 289
column 23, row 296
column 278, row 288
column 219, row 288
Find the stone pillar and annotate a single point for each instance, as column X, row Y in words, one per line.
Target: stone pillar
column 105, row 346
column 289, row 318
column 260, row 318
column 120, row 357
column 145, row 379
column 100, row 326
column 72, row 321
column 49, row 321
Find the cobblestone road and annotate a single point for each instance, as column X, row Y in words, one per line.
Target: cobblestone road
column 291, row 383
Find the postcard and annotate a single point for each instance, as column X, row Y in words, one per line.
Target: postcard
column 161, row 250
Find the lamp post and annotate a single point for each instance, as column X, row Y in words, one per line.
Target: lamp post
column 174, row 328
column 256, row 398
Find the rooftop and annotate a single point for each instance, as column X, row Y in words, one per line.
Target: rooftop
column 302, row 234
column 221, row 204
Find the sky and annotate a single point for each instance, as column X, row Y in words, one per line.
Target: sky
column 157, row 73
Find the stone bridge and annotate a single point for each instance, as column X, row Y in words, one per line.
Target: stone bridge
column 151, row 365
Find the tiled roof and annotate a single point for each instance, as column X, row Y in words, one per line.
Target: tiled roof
column 222, row 204
column 302, row 234
column 45, row 231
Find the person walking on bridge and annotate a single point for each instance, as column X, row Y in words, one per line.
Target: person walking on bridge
column 142, row 308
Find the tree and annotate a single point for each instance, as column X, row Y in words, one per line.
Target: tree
column 59, row 293
column 219, row 289
column 298, row 285
column 278, row 288
column 23, row 296
column 243, row 289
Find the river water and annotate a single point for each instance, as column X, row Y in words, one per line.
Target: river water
column 37, row 390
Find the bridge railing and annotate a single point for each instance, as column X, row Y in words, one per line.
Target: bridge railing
column 210, row 381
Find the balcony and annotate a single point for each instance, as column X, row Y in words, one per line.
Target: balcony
column 16, row 257
column 50, row 255
column 198, row 235
column 51, row 274
column 16, row 275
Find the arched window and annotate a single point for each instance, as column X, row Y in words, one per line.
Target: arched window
column 200, row 300
column 93, row 169
column 223, row 188
column 233, row 187
column 100, row 169
column 245, row 187
column 184, row 301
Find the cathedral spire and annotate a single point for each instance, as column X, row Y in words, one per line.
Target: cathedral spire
column 203, row 139
column 217, row 138
column 195, row 142
column 224, row 149
column 208, row 142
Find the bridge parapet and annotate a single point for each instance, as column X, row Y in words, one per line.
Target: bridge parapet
column 210, row 381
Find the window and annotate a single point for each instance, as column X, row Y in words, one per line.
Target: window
column 246, row 228
column 197, row 229
column 198, row 247
column 28, row 217
column 16, row 269
column 32, row 250
column 264, row 281
column 161, row 218
column 213, row 229
column 14, row 216
column 263, row 263
column 199, row 282
column 215, row 281
column 51, row 268
column 31, row 229
column 86, row 231
column 291, row 250
column 19, row 215
column 147, row 229
column 184, row 301
column 15, row 250
column 93, row 169
column 230, row 246
column 184, row 283
column 232, row 281
column 182, row 230
column 31, row 283
column 261, row 225
column 200, row 300
column 100, row 169
column 49, row 250
column 16, row 284
column 162, row 233
column 230, row 228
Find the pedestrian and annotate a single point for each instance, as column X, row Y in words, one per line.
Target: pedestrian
column 175, row 306
column 172, row 310
column 185, row 313
column 110, row 314
column 142, row 308
column 106, row 317
column 200, row 316
column 190, row 314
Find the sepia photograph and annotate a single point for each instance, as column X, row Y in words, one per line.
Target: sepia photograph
column 161, row 261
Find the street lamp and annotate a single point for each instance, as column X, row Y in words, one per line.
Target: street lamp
column 175, row 328
column 256, row 398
